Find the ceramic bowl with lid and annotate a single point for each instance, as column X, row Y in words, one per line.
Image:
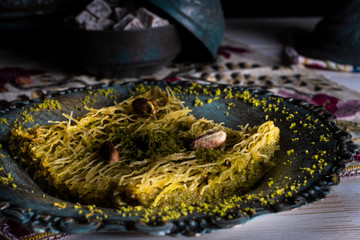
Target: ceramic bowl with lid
column 194, row 34
column 202, row 24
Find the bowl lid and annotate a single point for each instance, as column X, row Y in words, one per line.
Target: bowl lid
column 203, row 21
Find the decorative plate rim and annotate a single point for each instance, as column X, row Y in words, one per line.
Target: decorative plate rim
column 198, row 223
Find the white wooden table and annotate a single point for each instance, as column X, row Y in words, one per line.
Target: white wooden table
column 337, row 216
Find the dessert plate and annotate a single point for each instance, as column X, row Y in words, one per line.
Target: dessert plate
column 313, row 151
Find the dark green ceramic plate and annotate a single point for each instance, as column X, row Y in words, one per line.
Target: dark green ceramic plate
column 312, row 153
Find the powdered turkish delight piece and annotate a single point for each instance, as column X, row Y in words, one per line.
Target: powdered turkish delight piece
column 129, row 22
column 134, row 24
column 120, row 13
column 99, row 8
column 84, row 17
column 94, row 26
column 159, row 23
column 123, row 22
column 106, row 23
column 149, row 19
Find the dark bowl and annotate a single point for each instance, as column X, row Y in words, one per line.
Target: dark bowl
column 336, row 37
column 301, row 125
column 202, row 23
column 120, row 53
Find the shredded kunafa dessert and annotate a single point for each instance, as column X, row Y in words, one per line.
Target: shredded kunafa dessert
column 149, row 151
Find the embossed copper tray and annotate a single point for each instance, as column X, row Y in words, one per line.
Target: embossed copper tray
column 313, row 151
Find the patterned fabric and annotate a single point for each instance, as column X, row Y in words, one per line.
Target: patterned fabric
column 236, row 64
column 297, row 58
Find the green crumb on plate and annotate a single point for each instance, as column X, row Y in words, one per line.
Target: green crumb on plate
column 198, row 102
column 103, row 92
column 4, row 121
column 47, row 104
column 26, row 117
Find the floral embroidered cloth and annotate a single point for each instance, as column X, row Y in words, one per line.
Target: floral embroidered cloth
column 236, row 64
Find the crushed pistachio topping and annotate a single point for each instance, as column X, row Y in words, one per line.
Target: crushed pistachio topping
column 26, row 117
column 60, row 205
column 4, row 121
column 87, row 100
column 198, row 102
column 47, row 104
column 323, row 138
column 103, row 92
column 7, row 179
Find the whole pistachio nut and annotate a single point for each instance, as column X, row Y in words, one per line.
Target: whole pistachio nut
column 109, row 152
column 143, row 106
column 210, row 140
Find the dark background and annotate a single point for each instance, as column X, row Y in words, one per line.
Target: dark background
column 45, row 31
column 277, row 8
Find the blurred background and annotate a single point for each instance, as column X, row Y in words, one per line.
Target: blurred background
column 47, row 23
column 38, row 31
column 279, row 8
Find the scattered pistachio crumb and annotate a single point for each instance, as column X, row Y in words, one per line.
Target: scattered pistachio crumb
column 60, row 205
column 198, row 102
column 291, row 151
column 323, row 138
column 47, row 104
column 4, row 121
